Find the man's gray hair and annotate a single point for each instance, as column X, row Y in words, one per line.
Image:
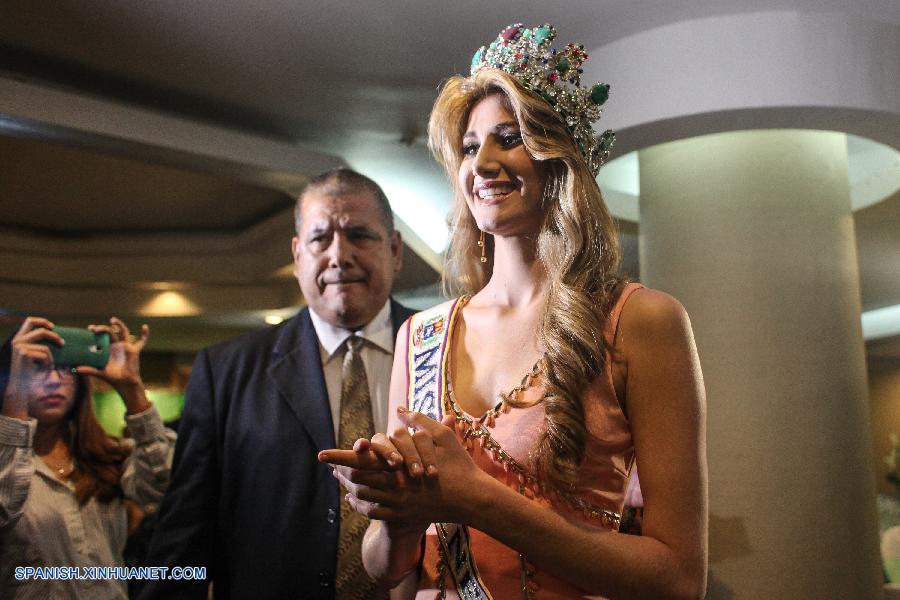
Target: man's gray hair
column 343, row 181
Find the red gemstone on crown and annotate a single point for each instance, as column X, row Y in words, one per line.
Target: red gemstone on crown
column 509, row 33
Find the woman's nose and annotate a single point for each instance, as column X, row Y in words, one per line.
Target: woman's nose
column 53, row 375
column 485, row 161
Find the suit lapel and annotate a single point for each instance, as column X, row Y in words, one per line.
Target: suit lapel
column 297, row 372
column 399, row 314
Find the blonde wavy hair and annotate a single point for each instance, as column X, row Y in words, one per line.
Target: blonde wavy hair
column 578, row 245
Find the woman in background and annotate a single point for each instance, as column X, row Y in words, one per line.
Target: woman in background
column 63, row 480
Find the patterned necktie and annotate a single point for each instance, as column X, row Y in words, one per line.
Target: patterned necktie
column 352, row 582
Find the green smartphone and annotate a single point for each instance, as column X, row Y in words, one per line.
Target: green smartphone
column 83, row 347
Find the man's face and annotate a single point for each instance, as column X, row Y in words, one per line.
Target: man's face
column 344, row 258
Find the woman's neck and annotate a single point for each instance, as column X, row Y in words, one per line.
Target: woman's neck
column 519, row 278
column 48, row 438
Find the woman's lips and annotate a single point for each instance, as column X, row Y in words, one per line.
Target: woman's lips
column 489, row 194
column 53, row 399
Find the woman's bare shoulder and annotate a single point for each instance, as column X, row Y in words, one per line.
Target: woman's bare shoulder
column 650, row 313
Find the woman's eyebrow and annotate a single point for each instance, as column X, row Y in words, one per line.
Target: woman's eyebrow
column 498, row 127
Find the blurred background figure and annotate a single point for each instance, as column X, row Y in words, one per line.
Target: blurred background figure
column 64, row 481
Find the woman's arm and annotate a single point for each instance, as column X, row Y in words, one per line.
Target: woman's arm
column 383, row 470
column 16, row 467
column 145, row 476
column 392, row 550
column 29, row 359
column 666, row 404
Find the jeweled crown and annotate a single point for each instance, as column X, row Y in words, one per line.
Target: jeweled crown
column 528, row 55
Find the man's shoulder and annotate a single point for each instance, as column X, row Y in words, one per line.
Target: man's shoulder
column 284, row 335
column 399, row 311
column 261, row 340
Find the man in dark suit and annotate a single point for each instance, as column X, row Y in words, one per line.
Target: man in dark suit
column 248, row 499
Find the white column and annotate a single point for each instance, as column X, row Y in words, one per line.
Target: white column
column 753, row 232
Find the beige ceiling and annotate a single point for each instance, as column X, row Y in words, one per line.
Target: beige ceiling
column 85, row 234
column 52, row 188
column 93, row 227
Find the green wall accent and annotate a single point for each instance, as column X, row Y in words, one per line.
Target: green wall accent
column 110, row 409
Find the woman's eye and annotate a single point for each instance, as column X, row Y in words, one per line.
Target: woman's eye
column 470, row 149
column 511, row 139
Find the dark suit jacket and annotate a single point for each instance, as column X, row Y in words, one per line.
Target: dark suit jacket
column 248, row 499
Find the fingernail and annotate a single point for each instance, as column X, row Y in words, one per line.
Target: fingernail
column 415, row 469
column 394, row 459
column 431, row 470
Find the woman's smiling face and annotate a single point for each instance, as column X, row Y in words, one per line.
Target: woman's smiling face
column 502, row 183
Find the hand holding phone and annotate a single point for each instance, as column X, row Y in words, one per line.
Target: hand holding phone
column 82, row 347
column 123, row 369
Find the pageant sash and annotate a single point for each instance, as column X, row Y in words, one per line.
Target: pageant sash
column 428, row 338
column 457, row 556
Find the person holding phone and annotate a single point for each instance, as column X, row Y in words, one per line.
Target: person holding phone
column 63, row 480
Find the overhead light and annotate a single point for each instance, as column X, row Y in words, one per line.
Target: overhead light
column 273, row 319
column 169, row 304
column 163, row 286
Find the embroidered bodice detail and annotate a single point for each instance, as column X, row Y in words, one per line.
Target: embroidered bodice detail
column 502, row 441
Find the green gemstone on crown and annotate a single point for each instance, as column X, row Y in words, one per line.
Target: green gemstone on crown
column 526, row 54
column 599, row 94
column 479, row 55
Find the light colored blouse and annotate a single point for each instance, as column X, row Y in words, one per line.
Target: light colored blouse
column 42, row 524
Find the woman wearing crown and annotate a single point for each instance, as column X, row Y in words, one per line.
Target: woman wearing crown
column 517, row 483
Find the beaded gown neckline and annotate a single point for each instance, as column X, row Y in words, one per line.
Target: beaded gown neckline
column 477, row 430
column 506, row 400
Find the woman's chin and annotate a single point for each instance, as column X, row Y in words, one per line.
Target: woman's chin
column 49, row 415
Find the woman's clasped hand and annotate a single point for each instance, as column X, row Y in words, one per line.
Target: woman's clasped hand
column 418, row 475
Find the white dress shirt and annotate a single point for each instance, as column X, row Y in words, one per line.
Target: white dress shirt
column 377, row 356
